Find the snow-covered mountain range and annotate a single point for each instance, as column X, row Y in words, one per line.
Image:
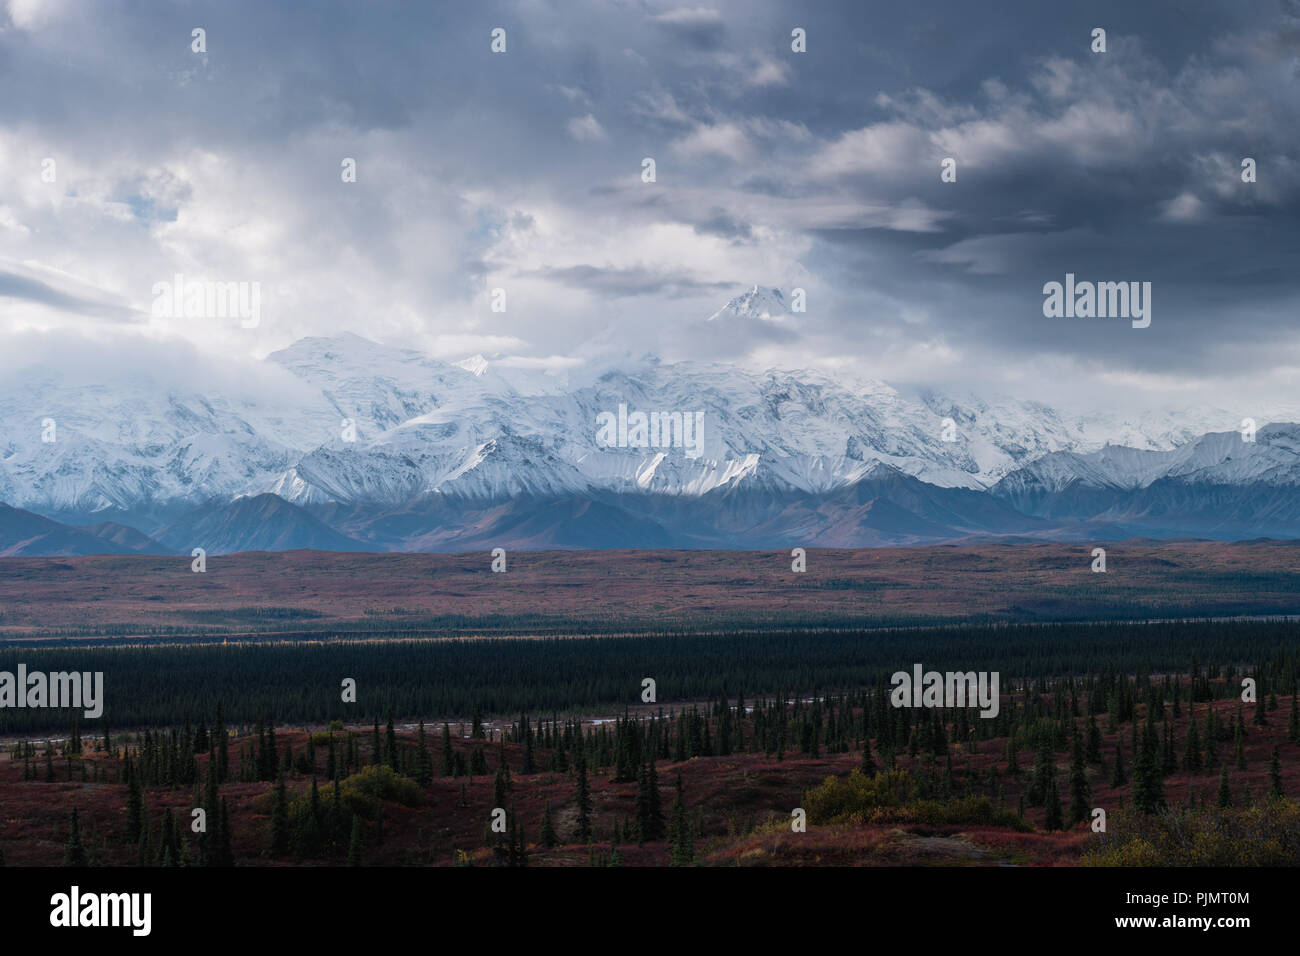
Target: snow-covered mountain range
column 384, row 448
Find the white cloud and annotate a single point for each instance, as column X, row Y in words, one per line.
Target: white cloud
column 880, row 149
column 724, row 139
column 689, row 16
column 769, row 72
column 586, row 129
column 778, row 129
column 32, row 14
column 573, row 94
column 659, row 105
column 1184, row 207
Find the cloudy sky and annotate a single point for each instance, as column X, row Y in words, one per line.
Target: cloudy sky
column 522, row 170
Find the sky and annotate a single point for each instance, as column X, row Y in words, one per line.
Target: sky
column 522, row 170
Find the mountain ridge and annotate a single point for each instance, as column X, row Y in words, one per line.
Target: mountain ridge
column 358, row 432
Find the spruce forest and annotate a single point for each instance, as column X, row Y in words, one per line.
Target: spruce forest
column 763, row 749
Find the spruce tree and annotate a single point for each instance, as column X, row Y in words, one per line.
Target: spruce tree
column 1225, row 792
column 518, row 842
column 1052, row 799
column 144, row 849
column 338, row 826
column 280, row 822
column 1044, row 767
column 869, row 768
column 478, row 763
column 222, row 852
column 168, row 841
column 1169, row 758
column 423, row 762
column 501, row 785
column 683, row 840
column 1080, row 791
column 134, row 806
column 448, row 767
column 583, row 797
column 1148, row 782
column 549, row 838
column 74, row 854
column 649, row 812
column 308, row 825
column 526, row 766
column 1211, row 748
column 1238, row 742
column 390, row 745
column 1293, row 724
column 355, row 846
column 1093, row 754
column 1275, row 774
column 271, row 753
column 657, row 826
column 1192, row 754
column 223, row 748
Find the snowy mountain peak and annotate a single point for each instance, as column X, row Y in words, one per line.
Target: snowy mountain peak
column 759, row 302
column 347, row 350
column 344, row 421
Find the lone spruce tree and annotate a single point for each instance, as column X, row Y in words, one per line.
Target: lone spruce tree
column 683, row 841
column 1225, row 792
column 448, row 766
column 74, row 854
column 280, row 821
column 869, row 768
column 1080, row 791
column 355, row 845
column 1148, row 779
column 1052, row 800
column 134, row 806
column 583, row 797
column 1293, row 723
column 649, row 810
column 549, row 838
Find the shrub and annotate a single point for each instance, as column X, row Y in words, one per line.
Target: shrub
column 364, row 791
column 891, row 798
column 1267, row 835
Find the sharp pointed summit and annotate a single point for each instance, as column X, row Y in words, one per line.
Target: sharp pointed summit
column 760, row 302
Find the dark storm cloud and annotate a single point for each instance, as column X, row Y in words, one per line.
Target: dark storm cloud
column 819, row 169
